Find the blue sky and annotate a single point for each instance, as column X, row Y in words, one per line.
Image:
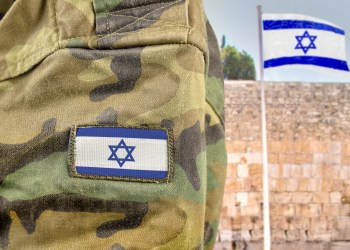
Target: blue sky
column 237, row 19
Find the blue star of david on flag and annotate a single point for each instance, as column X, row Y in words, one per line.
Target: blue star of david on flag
column 300, row 44
column 121, row 160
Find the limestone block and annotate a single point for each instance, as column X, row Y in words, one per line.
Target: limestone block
column 283, row 197
column 335, row 197
column 242, row 198
column 278, row 236
column 245, row 234
column 257, row 235
column 242, row 170
column 293, row 235
column 320, row 197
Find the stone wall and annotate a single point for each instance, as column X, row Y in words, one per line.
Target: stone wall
column 308, row 127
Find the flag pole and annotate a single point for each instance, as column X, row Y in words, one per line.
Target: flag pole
column 266, row 204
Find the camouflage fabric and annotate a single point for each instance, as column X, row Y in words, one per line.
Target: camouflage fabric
column 108, row 62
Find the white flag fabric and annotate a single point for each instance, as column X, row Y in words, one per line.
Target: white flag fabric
column 291, row 39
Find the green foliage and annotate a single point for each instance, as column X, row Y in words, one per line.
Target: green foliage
column 237, row 65
column 223, row 41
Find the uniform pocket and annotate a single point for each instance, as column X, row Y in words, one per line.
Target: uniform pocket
column 136, row 23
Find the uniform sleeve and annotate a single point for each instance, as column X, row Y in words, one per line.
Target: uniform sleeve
column 111, row 132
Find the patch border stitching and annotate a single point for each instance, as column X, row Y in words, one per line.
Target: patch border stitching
column 72, row 155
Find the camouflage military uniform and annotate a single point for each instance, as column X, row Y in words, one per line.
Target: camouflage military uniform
column 116, row 63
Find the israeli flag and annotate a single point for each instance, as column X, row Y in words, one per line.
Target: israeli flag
column 114, row 152
column 291, row 39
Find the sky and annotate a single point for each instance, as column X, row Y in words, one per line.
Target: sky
column 238, row 20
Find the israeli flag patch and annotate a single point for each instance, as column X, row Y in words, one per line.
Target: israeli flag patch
column 121, row 153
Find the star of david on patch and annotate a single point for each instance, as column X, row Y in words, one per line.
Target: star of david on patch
column 121, row 160
column 302, row 46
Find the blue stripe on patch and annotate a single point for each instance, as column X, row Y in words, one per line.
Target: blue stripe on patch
column 110, row 172
column 300, row 24
column 122, row 132
column 307, row 60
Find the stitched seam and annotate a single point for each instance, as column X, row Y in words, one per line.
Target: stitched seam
column 107, row 21
column 138, row 30
column 138, row 7
column 171, row 152
column 138, row 18
column 152, row 20
column 56, row 23
column 216, row 112
column 72, row 150
column 38, row 53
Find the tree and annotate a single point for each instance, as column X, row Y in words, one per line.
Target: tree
column 223, row 41
column 237, row 65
